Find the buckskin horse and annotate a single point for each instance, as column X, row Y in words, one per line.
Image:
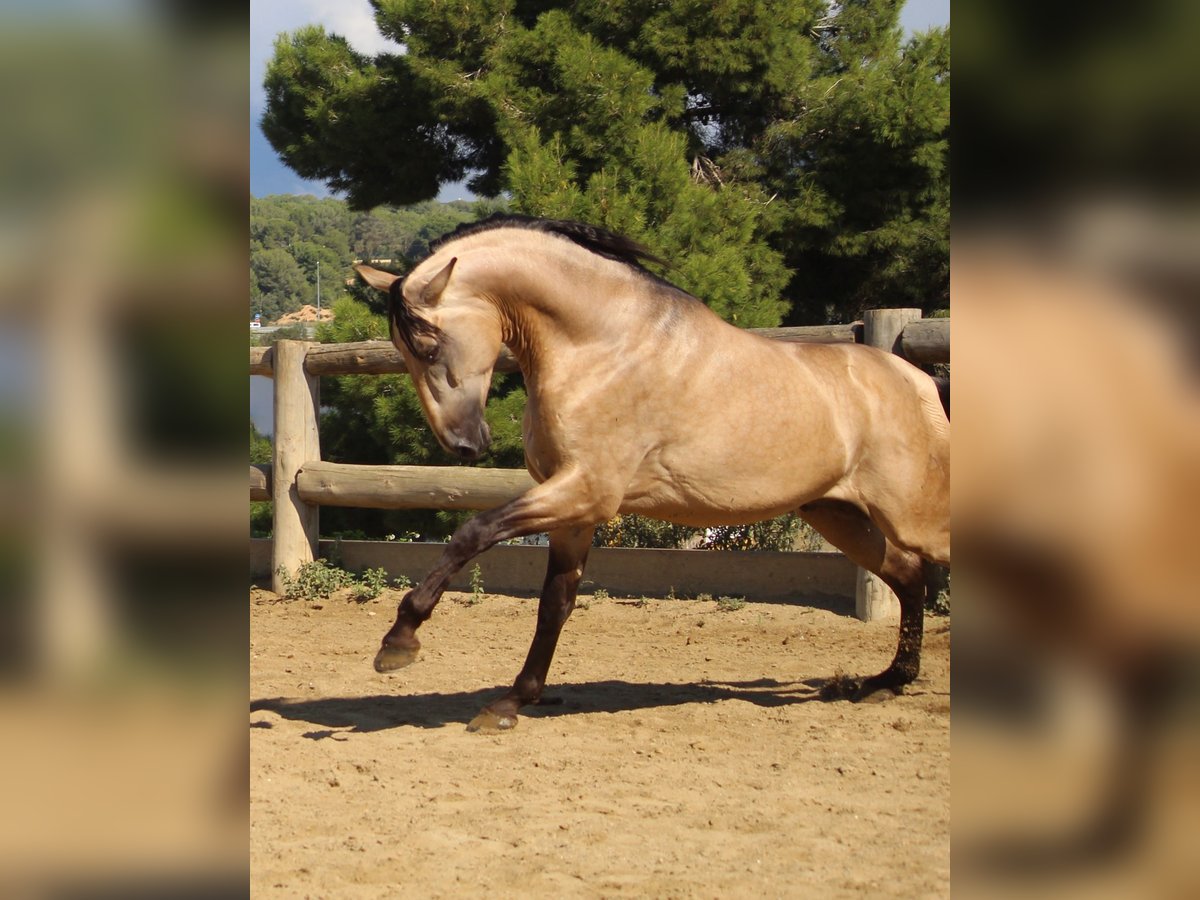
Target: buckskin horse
column 642, row 400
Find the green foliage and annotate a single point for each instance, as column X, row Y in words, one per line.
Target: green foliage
column 262, row 520
column 314, row 580
column 371, row 584
column 378, row 420
column 261, row 449
column 279, row 282
column 780, row 533
column 767, row 147
column 290, row 235
column 730, row 604
column 640, row 531
column 476, row 585
column 261, row 452
column 773, row 534
column 318, row 579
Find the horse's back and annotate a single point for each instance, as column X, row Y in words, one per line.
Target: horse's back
column 760, row 427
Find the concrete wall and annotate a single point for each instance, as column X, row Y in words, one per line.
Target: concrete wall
column 816, row 579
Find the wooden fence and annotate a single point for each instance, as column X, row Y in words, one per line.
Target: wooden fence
column 300, row 482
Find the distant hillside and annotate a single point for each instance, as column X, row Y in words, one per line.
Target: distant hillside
column 290, row 235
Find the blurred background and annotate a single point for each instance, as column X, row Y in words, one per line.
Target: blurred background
column 1075, row 279
column 123, row 627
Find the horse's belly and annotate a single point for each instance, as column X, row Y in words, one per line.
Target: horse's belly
column 728, row 496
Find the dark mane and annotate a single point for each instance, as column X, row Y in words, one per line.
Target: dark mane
column 598, row 240
column 403, row 322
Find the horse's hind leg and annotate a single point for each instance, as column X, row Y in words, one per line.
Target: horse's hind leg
column 850, row 530
column 568, row 556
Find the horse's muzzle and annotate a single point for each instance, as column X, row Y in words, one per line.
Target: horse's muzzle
column 470, row 448
column 466, row 452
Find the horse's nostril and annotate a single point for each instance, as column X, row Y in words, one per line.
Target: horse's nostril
column 465, row 451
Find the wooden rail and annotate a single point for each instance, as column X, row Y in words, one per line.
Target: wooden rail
column 260, row 482
column 300, row 482
column 923, row 342
column 409, row 487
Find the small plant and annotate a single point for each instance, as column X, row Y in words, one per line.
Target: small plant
column 314, row 580
column 729, row 604
column 318, row 579
column 599, row 594
column 704, row 597
column 406, row 537
column 371, row 584
column 403, row 582
column 476, row 585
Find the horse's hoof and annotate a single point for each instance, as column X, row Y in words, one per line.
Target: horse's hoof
column 389, row 659
column 488, row 722
column 876, row 694
column 879, row 688
column 875, row 689
column 840, row 687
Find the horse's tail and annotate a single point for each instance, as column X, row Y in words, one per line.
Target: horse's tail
column 943, row 388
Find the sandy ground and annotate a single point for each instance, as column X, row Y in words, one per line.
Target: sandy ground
column 689, row 757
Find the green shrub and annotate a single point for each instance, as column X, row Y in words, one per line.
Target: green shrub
column 314, row 580
column 780, row 533
column 371, row 584
column 261, row 518
column 318, row 579
column 640, row 531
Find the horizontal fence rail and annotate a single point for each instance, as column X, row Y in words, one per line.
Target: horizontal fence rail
column 925, row 341
column 409, row 487
column 300, row 482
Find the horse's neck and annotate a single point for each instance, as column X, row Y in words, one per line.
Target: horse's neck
column 546, row 315
column 524, row 339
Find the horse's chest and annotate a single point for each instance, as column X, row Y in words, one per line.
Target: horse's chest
column 544, row 450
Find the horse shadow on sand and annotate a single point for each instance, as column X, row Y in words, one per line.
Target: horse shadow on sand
column 378, row 712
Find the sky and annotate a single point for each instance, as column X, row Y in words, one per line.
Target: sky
column 354, row 20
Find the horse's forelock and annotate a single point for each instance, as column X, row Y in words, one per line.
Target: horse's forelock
column 404, row 322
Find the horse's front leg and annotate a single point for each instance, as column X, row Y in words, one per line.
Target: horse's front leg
column 568, row 556
column 559, row 502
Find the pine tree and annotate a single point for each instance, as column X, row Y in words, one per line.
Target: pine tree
column 770, row 148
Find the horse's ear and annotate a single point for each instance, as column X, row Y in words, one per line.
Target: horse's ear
column 381, row 281
column 432, row 292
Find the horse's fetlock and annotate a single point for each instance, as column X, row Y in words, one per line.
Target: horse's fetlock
column 905, row 671
column 527, row 688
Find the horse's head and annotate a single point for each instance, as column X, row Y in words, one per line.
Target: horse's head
column 449, row 340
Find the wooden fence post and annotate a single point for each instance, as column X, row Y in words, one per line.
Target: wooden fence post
column 881, row 328
column 297, row 400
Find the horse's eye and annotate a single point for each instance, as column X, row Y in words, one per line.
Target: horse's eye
column 426, row 350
